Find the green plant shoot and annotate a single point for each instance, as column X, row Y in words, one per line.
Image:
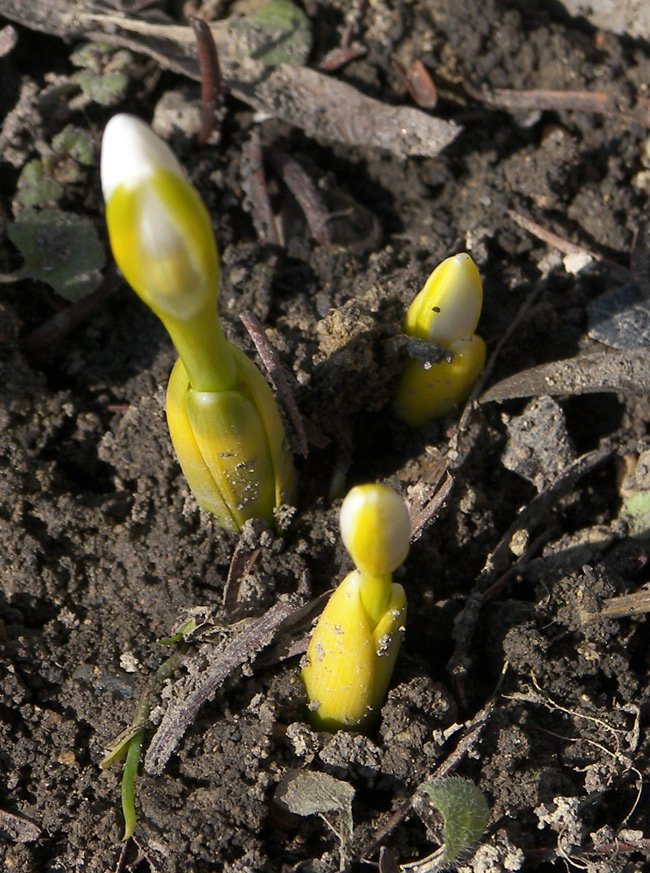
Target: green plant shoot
column 445, row 313
column 354, row 646
column 465, row 813
column 223, row 421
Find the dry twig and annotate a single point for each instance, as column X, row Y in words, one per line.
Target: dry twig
column 273, row 366
column 211, row 82
column 577, row 101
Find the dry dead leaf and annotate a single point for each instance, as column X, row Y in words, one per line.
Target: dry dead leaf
column 627, row 372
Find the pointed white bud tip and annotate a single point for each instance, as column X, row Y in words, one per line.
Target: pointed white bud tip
column 131, row 152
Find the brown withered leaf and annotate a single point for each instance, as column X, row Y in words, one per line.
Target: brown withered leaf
column 418, row 82
column 200, row 684
column 627, row 372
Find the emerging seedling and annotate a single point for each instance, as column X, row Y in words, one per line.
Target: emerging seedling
column 445, row 313
column 223, row 421
column 465, row 815
column 353, row 649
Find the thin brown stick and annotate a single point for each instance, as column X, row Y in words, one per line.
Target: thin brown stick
column 273, row 366
column 241, row 563
column 211, row 81
column 258, row 192
column 597, row 102
column 339, row 57
column 433, row 508
column 52, row 332
column 307, row 195
column 353, row 22
column 565, row 246
column 640, row 258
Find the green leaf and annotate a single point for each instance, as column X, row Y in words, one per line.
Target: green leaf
column 636, row 510
column 60, row 249
column 278, row 33
column 103, row 76
column 35, row 185
column 106, row 90
column 76, row 143
column 465, row 814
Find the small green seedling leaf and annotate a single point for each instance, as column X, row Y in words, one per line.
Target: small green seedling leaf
column 465, row 814
column 43, row 180
column 129, row 777
column 278, row 33
column 74, row 142
column 103, row 76
column 187, row 628
column 636, row 511
column 36, row 186
column 119, row 748
column 60, row 249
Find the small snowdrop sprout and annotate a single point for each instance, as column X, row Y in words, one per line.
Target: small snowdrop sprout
column 223, row 420
column 445, row 313
column 354, row 646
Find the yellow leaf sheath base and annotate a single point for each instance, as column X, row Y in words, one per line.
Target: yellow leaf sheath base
column 350, row 658
column 230, row 445
column 423, row 394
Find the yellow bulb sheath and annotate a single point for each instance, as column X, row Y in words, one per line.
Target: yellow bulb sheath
column 230, row 445
column 423, row 394
column 351, row 658
column 445, row 313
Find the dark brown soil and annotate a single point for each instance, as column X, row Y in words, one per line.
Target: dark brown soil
column 103, row 550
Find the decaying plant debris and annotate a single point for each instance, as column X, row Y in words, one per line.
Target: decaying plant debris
column 335, row 186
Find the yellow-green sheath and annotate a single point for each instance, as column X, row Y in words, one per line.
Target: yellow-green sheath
column 262, row 396
column 230, row 445
column 425, row 394
column 351, row 658
column 375, row 593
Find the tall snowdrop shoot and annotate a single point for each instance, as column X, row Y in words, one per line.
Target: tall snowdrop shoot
column 354, row 646
column 445, row 313
column 222, row 417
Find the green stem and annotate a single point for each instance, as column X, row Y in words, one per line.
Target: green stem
column 129, row 776
column 133, row 746
column 204, row 350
